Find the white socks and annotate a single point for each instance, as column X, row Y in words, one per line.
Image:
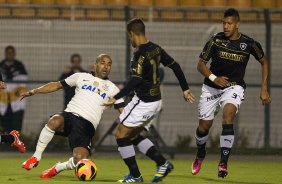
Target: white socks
column 45, row 137
column 68, row 165
column 126, row 151
column 226, row 141
column 145, row 145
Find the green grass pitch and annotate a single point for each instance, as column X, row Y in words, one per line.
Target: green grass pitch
column 112, row 168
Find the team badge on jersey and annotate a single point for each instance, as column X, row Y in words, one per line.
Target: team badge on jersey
column 105, row 87
column 243, row 46
column 95, row 83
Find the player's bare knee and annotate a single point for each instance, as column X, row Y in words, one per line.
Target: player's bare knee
column 228, row 118
column 56, row 122
column 204, row 126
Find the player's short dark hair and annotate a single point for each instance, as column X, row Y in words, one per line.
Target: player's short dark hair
column 10, row 47
column 75, row 56
column 232, row 12
column 137, row 26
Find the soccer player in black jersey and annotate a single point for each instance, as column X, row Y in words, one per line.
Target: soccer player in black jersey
column 146, row 103
column 13, row 137
column 224, row 85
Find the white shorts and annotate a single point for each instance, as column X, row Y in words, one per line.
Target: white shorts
column 212, row 99
column 139, row 113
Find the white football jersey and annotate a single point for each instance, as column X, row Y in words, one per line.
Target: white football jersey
column 90, row 94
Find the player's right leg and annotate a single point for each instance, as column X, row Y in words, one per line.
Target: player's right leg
column 79, row 153
column 80, row 135
column 201, row 136
column 57, row 168
column 55, row 123
column 208, row 106
column 127, row 153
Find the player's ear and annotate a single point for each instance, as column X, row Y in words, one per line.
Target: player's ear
column 130, row 34
column 238, row 25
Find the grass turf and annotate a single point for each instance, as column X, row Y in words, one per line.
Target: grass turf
column 110, row 169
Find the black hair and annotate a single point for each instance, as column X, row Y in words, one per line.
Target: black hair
column 74, row 56
column 10, row 47
column 137, row 26
column 232, row 12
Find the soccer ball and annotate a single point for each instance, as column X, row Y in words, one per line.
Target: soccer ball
column 86, row 170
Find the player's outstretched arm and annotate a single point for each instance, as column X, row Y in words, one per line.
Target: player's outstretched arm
column 132, row 83
column 187, row 94
column 47, row 88
column 220, row 81
column 264, row 95
column 110, row 103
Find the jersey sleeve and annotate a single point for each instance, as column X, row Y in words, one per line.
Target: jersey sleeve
column 207, row 52
column 166, row 59
column 137, row 65
column 256, row 50
column 72, row 80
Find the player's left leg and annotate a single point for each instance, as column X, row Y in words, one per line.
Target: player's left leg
column 230, row 102
column 147, row 147
column 226, row 138
column 13, row 139
column 79, row 153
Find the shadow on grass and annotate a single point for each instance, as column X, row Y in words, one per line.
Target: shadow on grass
column 228, row 181
column 99, row 180
column 216, row 180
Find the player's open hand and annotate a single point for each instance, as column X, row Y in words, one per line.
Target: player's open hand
column 110, row 103
column 2, row 85
column 188, row 96
column 221, row 81
column 27, row 94
column 264, row 96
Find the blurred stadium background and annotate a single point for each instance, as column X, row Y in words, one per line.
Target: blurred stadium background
column 46, row 32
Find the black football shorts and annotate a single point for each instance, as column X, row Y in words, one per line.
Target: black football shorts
column 79, row 131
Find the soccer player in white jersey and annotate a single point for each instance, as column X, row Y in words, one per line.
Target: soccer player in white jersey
column 80, row 118
column 224, row 85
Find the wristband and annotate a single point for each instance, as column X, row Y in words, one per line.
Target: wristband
column 212, row 77
column 31, row 92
